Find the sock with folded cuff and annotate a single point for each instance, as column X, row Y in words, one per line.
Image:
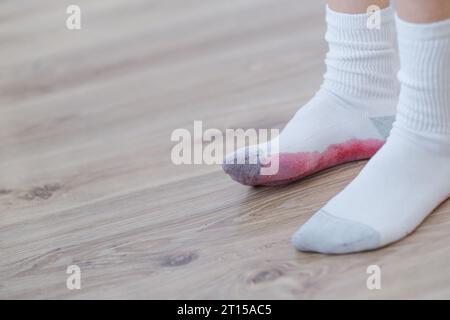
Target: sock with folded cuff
column 410, row 176
column 351, row 115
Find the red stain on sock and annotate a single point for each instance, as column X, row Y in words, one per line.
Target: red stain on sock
column 294, row 166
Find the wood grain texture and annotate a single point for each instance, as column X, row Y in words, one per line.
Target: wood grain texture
column 85, row 170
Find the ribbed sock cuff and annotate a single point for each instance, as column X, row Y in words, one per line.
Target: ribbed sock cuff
column 358, row 20
column 422, row 31
column 361, row 62
column 424, row 103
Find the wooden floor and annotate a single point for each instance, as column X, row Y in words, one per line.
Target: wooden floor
column 86, row 176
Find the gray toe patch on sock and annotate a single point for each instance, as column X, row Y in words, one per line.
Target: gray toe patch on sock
column 383, row 124
column 245, row 172
column 242, row 170
column 326, row 233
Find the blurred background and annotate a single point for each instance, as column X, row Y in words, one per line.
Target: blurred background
column 102, row 101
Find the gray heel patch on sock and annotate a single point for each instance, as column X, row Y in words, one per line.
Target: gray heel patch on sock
column 383, row 124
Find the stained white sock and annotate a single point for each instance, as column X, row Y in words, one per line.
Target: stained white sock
column 351, row 115
column 410, row 176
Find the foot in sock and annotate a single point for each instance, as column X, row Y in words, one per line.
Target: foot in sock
column 410, row 176
column 348, row 119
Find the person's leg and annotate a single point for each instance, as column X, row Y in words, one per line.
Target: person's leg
column 355, row 6
column 410, row 176
column 350, row 116
column 421, row 11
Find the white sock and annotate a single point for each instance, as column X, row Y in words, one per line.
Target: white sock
column 349, row 118
column 410, row 176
